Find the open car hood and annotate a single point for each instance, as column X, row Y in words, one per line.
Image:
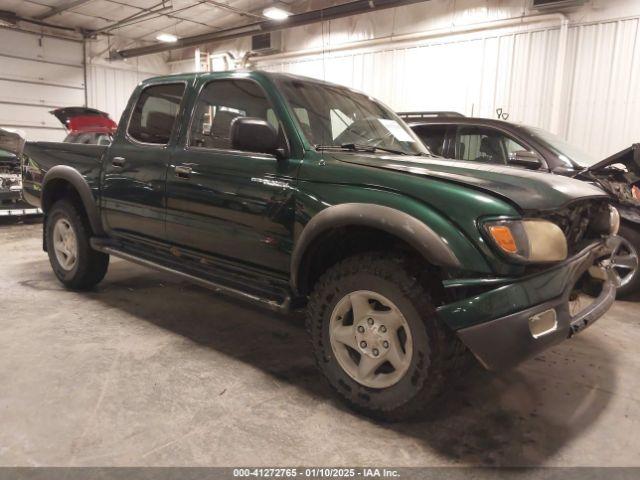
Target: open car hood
column 82, row 119
column 11, row 142
column 621, row 183
column 629, row 157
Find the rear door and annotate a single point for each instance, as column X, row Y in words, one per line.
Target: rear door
column 134, row 173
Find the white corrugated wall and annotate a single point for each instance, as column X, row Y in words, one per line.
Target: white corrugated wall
column 601, row 101
column 110, row 83
column 517, row 69
column 39, row 73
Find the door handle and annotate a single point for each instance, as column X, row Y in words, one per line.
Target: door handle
column 118, row 161
column 182, row 171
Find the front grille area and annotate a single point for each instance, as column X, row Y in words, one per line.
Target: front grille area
column 577, row 219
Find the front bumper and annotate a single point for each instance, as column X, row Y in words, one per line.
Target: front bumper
column 505, row 340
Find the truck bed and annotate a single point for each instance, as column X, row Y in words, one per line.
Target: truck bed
column 40, row 157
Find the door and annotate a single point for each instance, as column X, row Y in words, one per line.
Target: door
column 225, row 202
column 134, row 175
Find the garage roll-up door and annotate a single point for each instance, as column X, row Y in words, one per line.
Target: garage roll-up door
column 38, row 74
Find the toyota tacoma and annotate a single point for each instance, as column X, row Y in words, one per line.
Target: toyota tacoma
column 295, row 193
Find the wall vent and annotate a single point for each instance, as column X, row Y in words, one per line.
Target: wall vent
column 266, row 42
column 555, row 4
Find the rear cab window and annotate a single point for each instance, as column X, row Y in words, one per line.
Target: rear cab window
column 154, row 116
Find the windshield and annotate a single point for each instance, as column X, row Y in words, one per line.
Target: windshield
column 332, row 116
column 567, row 152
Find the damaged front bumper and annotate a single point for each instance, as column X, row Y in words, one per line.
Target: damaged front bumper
column 515, row 321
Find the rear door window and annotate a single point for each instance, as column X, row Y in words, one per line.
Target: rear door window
column 155, row 113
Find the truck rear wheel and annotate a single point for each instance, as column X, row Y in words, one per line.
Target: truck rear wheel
column 376, row 337
column 73, row 260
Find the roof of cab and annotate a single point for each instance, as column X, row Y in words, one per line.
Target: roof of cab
column 185, row 77
column 472, row 121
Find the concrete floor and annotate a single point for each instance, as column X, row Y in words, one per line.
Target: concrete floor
column 150, row 370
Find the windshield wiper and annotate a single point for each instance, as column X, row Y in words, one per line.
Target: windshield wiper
column 360, row 147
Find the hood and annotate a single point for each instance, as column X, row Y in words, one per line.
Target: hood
column 527, row 189
column 82, row 119
column 629, row 157
column 11, row 142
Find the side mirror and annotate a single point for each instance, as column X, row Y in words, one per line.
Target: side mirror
column 251, row 134
column 526, row 159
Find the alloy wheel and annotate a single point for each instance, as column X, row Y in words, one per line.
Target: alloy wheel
column 65, row 244
column 624, row 260
column 371, row 339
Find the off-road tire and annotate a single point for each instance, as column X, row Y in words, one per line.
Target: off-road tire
column 632, row 235
column 91, row 266
column 438, row 355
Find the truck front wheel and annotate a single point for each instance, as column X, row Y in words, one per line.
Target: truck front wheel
column 376, row 337
column 73, row 260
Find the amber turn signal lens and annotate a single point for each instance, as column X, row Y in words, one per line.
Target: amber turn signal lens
column 636, row 192
column 503, row 237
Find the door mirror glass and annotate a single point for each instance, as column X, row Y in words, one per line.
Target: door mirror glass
column 252, row 134
column 524, row 158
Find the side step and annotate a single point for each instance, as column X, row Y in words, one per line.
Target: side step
column 111, row 248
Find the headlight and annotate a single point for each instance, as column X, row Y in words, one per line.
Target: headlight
column 528, row 241
column 614, row 220
column 605, row 221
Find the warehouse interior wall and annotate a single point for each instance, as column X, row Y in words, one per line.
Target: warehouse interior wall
column 575, row 73
column 569, row 72
column 39, row 73
column 44, row 72
column 110, row 82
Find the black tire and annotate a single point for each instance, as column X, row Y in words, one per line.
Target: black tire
column 632, row 235
column 90, row 266
column 437, row 353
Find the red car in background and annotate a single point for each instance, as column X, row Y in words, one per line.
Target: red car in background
column 86, row 125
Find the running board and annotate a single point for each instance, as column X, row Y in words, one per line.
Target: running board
column 285, row 306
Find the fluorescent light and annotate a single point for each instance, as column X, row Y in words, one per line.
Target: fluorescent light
column 275, row 13
column 167, row 38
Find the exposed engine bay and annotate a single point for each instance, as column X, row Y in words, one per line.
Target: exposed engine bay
column 11, row 202
column 620, row 183
column 581, row 222
column 10, row 178
column 618, row 175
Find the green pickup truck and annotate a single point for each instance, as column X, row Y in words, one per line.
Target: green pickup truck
column 296, row 193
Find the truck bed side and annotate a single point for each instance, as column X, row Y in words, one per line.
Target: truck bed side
column 42, row 157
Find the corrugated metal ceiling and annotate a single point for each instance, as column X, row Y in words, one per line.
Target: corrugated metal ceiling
column 143, row 20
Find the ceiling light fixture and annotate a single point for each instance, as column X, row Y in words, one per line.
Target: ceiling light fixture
column 167, row 38
column 276, row 13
